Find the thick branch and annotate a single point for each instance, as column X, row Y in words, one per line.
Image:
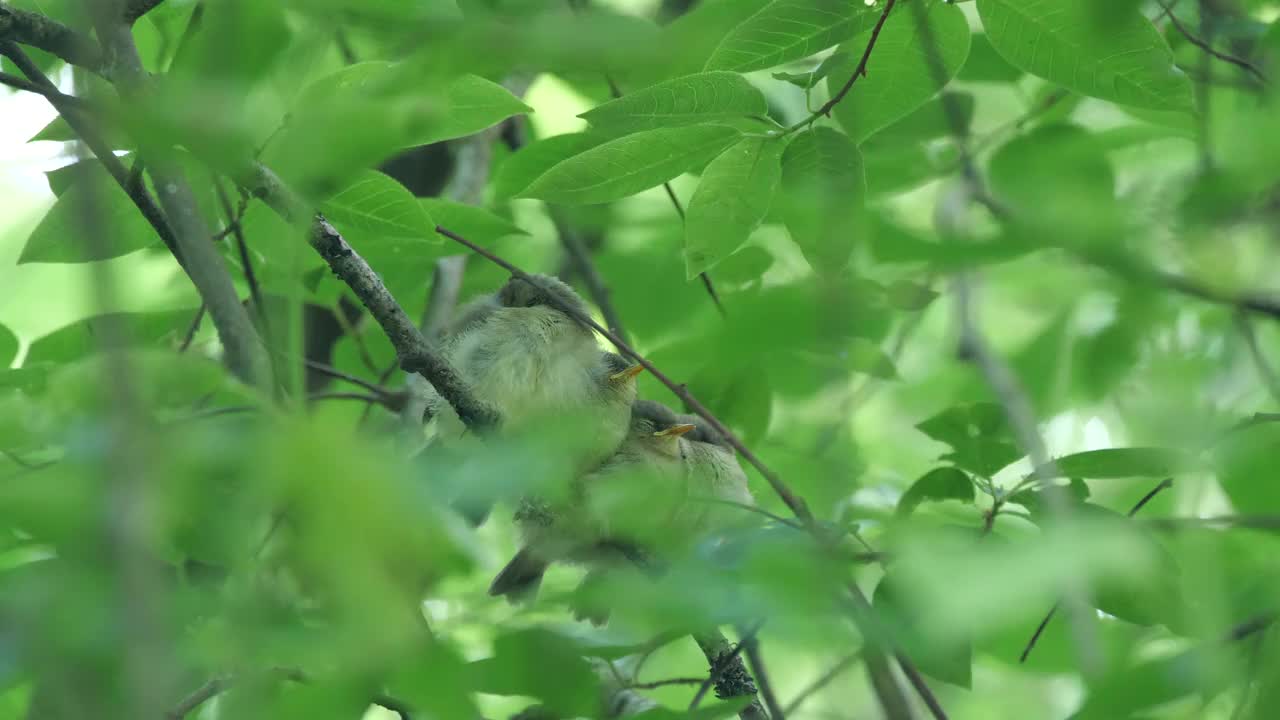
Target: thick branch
column 38, row 31
column 413, row 351
column 727, row 673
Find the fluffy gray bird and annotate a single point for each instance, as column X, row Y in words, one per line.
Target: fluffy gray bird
column 599, row 515
column 714, row 473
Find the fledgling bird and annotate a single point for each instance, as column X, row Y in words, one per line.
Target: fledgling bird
column 600, row 513
column 714, row 473
column 539, row 368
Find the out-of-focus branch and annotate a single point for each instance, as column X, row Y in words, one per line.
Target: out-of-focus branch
column 135, row 9
column 38, row 31
column 246, row 355
column 1241, row 63
column 219, row 685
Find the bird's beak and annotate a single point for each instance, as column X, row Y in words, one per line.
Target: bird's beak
column 675, row 430
column 627, row 374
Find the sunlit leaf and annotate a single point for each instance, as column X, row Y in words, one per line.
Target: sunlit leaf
column 1124, row 60
column 944, row 483
column 822, row 193
column 630, row 164
column 377, row 204
column 901, row 75
column 93, row 200
column 704, row 97
column 786, row 30
column 730, row 202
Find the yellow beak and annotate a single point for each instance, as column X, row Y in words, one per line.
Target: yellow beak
column 675, row 430
column 627, row 374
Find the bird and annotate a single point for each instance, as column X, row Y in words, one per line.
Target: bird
column 541, row 370
column 714, row 474
column 599, row 518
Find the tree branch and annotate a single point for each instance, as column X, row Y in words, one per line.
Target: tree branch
column 824, row 680
column 246, row 355
column 727, row 673
column 580, row 261
column 217, row 686
column 1241, row 63
column 756, row 659
column 135, row 9
column 413, row 351
column 84, row 129
column 860, row 71
column 45, row 33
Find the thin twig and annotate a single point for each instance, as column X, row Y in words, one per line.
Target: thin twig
column 580, row 261
column 1265, row 371
column 98, row 145
column 1238, row 62
column 705, row 278
column 16, row 82
column 756, row 659
column 245, row 354
column 192, row 329
column 235, row 217
column 824, row 680
column 860, row 71
column 664, row 683
column 920, row 686
column 337, row 374
column 203, row 694
column 1035, row 637
column 1164, row 485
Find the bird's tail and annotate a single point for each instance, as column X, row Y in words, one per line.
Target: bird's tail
column 519, row 580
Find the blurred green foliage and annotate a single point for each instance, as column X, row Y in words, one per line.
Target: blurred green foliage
column 174, row 541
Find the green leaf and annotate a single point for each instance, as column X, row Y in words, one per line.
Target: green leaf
column 1125, row 463
column 471, row 222
column 700, row 98
column 984, row 64
column 822, row 196
column 950, row 662
column 1036, row 503
column 1245, row 463
column 158, row 329
column 630, row 164
column 741, row 397
column 1125, row 60
column 900, row 75
column 944, row 483
column 730, row 202
column 979, row 435
column 1046, row 176
column 472, row 104
column 94, row 197
column 530, row 162
column 786, row 30
column 542, row 664
column 8, row 346
column 928, row 122
column 865, row 356
column 376, row 204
